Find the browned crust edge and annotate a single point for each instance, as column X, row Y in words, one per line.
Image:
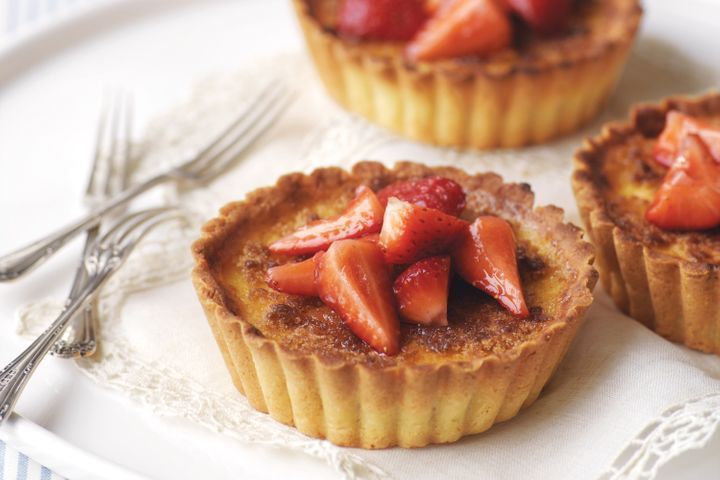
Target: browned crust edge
column 363, row 405
column 466, row 105
column 675, row 297
column 457, row 71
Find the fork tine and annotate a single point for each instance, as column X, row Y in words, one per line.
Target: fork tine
column 115, row 121
column 142, row 220
column 249, row 119
column 125, row 225
column 239, row 119
column 216, row 165
column 259, row 122
column 140, row 229
column 106, row 114
column 123, row 139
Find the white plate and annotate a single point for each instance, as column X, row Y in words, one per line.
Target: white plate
column 50, row 86
column 51, row 83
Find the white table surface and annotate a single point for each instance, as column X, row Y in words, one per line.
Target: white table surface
column 50, row 90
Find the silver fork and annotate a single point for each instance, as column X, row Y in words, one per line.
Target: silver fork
column 103, row 259
column 201, row 167
column 109, row 175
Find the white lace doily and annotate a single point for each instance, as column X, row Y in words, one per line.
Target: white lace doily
column 316, row 133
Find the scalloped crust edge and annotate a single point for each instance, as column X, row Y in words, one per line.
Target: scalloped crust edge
column 507, row 108
column 677, row 298
column 361, row 405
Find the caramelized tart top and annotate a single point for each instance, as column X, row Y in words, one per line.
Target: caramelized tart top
column 232, row 258
column 595, row 26
column 617, row 176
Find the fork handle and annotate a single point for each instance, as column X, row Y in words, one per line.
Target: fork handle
column 15, row 264
column 17, row 373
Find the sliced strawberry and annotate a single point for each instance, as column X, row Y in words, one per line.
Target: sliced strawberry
column 432, row 6
column 373, row 237
column 689, row 197
column 462, row 27
column 421, row 291
column 434, row 192
column 295, row 278
column 545, row 16
column 352, row 279
column 363, row 216
column 394, row 20
column 677, row 126
column 485, row 257
column 410, row 232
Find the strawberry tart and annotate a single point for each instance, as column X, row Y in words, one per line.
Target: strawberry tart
column 384, row 307
column 471, row 73
column 649, row 193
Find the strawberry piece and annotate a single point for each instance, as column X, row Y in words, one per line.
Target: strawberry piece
column 393, row 20
column 295, row 278
column 545, row 16
column 363, row 216
column 353, row 280
column 677, row 126
column 434, row 192
column 432, row 6
column 421, row 291
column 485, row 257
column 373, row 238
column 410, row 232
column 689, row 197
column 462, row 27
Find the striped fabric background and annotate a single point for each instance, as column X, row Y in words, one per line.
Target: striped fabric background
column 15, row 465
column 16, row 17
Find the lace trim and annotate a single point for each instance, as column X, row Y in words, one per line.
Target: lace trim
column 341, row 140
column 686, row 426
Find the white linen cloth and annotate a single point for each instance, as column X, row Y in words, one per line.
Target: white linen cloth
column 623, row 402
column 16, row 17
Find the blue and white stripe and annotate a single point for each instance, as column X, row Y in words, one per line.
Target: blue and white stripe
column 16, row 15
column 17, row 466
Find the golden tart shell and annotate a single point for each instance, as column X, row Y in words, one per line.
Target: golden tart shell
column 669, row 281
column 353, row 396
column 500, row 102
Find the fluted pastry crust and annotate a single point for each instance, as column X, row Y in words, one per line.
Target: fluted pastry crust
column 501, row 102
column 369, row 400
column 668, row 281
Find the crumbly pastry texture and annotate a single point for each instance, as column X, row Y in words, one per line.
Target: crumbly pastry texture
column 542, row 89
column 369, row 400
column 669, row 281
column 180, row 374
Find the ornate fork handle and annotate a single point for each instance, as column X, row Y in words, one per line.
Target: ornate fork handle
column 14, row 264
column 14, row 376
column 206, row 164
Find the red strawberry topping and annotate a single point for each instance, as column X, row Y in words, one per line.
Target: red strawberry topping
column 545, row 16
column 421, row 291
column 363, row 216
column 393, row 20
column 352, row 279
column 689, row 197
column 485, row 257
column 295, row 278
column 410, row 232
column 677, row 126
column 434, row 192
column 460, row 28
